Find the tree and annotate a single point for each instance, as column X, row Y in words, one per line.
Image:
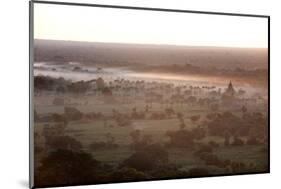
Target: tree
column 61, row 89
column 226, row 138
column 211, row 116
column 191, row 100
column 100, row 83
column 79, row 87
column 72, row 113
column 241, row 92
column 63, row 143
column 106, row 91
column 149, row 158
column 214, row 107
column 169, row 111
column 180, row 139
column 195, row 118
column 147, row 139
column 109, row 139
column 244, row 109
column 180, row 116
column 123, row 120
column 252, row 141
column 198, row 133
column 237, row 141
column 65, row 167
column 135, row 135
column 182, row 125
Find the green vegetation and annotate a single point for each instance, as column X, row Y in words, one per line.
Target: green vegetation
column 128, row 137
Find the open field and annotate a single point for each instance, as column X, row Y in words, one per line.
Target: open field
column 88, row 132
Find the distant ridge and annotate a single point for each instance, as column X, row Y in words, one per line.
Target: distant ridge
column 122, row 54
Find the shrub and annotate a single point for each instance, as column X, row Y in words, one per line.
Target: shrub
column 237, row 142
column 252, row 141
column 72, row 113
column 169, row 111
column 157, row 116
column 123, row 121
column 204, row 149
column 213, row 144
column 58, row 117
column 211, row 116
column 195, row 118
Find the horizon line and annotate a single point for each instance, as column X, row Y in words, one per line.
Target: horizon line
column 152, row 44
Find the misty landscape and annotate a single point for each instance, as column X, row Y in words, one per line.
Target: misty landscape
column 117, row 112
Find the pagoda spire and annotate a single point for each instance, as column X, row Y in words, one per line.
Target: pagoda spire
column 230, row 84
column 230, row 90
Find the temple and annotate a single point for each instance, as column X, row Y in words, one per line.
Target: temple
column 230, row 90
column 228, row 97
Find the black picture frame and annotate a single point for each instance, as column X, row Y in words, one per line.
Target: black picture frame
column 31, row 56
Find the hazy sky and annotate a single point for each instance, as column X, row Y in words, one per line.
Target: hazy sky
column 95, row 24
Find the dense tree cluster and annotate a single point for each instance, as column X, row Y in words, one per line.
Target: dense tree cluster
column 66, row 167
column 252, row 125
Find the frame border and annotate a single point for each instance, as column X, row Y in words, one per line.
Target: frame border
column 31, row 106
column 147, row 8
column 31, row 109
